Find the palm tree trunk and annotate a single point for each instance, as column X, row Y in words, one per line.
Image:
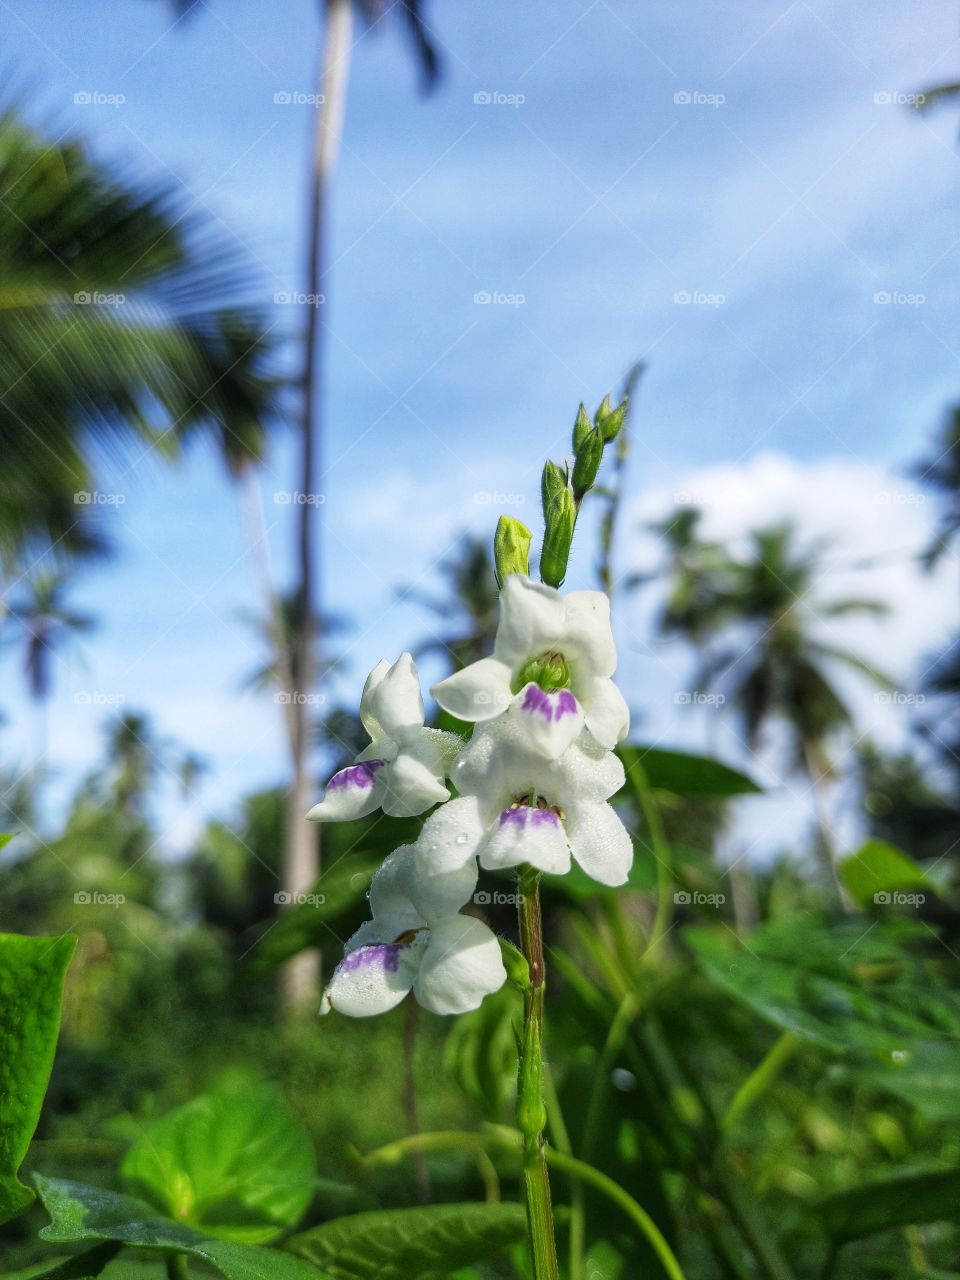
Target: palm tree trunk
column 302, row 856
column 817, row 775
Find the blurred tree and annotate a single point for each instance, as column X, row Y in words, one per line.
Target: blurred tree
column 469, row 610
column 107, row 337
column 942, row 473
column 48, row 624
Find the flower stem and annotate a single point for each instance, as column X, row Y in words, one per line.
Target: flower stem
column 531, row 1112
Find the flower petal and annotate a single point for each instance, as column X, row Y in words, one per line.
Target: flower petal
column 529, row 835
column 351, row 793
column 391, row 898
column 367, row 704
column 395, row 701
column 587, row 634
column 607, row 714
column 550, row 720
column 531, row 620
column 478, row 692
column 374, row 978
column 600, row 842
column 450, row 837
column 461, row 965
column 410, row 787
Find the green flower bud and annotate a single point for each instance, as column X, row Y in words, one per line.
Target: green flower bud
column 511, row 548
column 552, row 484
column 606, row 407
column 587, row 462
column 611, row 424
column 581, row 428
column 561, row 516
column 518, row 971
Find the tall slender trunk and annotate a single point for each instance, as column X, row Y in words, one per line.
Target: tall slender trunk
column 302, row 855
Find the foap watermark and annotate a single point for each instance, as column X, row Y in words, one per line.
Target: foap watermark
column 899, row 498
column 295, row 299
column 97, row 698
column 896, row 98
column 897, row 898
column 686, row 898
column 899, row 698
column 295, row 898
column 898, row 298
column 96, row 299
column 296, row 98
column 97, row 98
column 298, row 699
column 497, row 298
column 496, row 98
column 94, row 898
column 698, row 698
column 685, row 498
column 94, row 498
column 497, row 898
column 494, row 498
column 294, row 498
column 697, row 98
column 695, row 298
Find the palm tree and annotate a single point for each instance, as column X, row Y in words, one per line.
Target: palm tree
column 943, row 474
column 48, row 624
column 302, row 862
column 108, row 338
column 469, row 609
column 751, row 617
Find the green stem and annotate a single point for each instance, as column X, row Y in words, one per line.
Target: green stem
column 577, row 1233
column 627, row 1011
column 761, row 1078
column 661, row 851
column 531, row 1112
column 176, row 1266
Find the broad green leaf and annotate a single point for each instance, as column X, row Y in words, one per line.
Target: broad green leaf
column 404, row 1244
column 848, row 987
column 877, row 872
column 684, row 775
column 927, row 1075
column 81, row 1213
column 32, row 972
column 5, row 840
column 83, row 1266
column 894, row 1202
column 234, row 1164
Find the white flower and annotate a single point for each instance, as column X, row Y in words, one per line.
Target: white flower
column 403, row 768
column 516, row 807
column 553, row 657
column 417, row 942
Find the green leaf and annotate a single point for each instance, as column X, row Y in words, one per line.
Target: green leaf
column 234, row 1164
column 847, row 986
column 32, row 972
column 877, row 868
column 80, row 1213
column 5, row 840
column 685, row 775
column 84, row 1266
column 403, row 1244
column 926, row 1075
column 894, row 1202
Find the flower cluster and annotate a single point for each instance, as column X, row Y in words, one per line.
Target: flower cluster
column 533, row 788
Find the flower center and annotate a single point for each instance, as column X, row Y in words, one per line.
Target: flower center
column 549, row 671
column 530, row 800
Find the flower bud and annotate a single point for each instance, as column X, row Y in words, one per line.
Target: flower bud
column 518, row 971
column 581, row 428
column 561, row 516
column 606, row 408
column 552, row 484
column 587, row 462
column 611, row 424
column 511, row 548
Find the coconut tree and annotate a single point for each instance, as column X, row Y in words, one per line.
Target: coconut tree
column 48, row 624
column 110, row 341
column 762, row 627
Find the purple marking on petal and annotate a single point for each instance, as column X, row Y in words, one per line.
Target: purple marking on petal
column 552, row 706
column 537, row 817
column 356, row 775
column 381, row 955
column 566, row 705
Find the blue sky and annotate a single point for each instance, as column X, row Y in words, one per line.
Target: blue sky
column 758, row 162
